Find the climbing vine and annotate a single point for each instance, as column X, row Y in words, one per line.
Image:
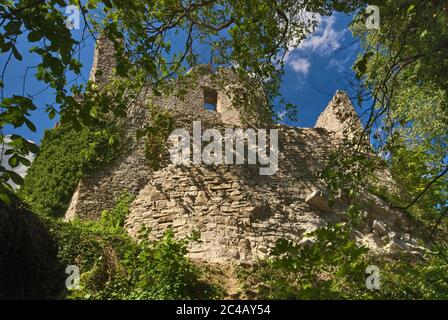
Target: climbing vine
column 66, row 155
column 155, row 134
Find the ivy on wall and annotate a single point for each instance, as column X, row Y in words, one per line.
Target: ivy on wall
column 66, row 155
column 155, row 135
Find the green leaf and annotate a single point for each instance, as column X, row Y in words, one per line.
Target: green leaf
column 361, row 65
column 16, row 53
column 5, row 198
column 30, row 125
column 15, row 177
column 14, row 161
column 34, row 36
column 52, row 114
column 32, row 147
column 6, row 47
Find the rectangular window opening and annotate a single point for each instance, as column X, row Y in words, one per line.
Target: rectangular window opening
column 210, row 99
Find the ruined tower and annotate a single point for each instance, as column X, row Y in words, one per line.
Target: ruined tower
column 238, row 213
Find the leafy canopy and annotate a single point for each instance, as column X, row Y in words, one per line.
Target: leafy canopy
column 252, row 36
column 402, row 73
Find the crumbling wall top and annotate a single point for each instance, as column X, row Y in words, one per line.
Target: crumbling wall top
column 340, row 117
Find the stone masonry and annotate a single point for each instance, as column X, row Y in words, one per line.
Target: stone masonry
column 238, row 213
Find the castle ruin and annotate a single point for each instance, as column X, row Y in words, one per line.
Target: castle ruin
column 238, row 213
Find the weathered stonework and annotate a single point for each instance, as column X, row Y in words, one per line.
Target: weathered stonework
column 340, row 117
column 239, row 214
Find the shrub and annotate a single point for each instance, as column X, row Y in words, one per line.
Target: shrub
column 333, row 267
column 329, row 268
column 115, row 266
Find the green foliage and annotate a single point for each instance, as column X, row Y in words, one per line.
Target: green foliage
column 155, row 135
column 415, row 167
column 114, row 266
column 115, row 218
column 252, row 35
column 66, row 155
column 162, row 271
column 333, row 266
column 408, row 277
column 403, row 72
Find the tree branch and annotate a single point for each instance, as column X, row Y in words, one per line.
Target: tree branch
column 428, row 186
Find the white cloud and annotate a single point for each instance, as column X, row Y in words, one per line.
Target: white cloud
column 300, row 65
column 339, row 64
column 325, row 38
column 323, row 41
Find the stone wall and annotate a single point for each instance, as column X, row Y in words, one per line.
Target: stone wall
column 339, row 118
column 130, row 171
column 238, row 213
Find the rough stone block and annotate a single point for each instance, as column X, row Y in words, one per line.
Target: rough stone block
column 319, row 200
column 156, row 195
column 201, row 198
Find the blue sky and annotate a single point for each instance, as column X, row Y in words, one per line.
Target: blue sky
column 314, row 71
column 41, row 94
column 319, row 67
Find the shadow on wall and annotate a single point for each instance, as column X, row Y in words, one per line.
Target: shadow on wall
column 28, row 256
